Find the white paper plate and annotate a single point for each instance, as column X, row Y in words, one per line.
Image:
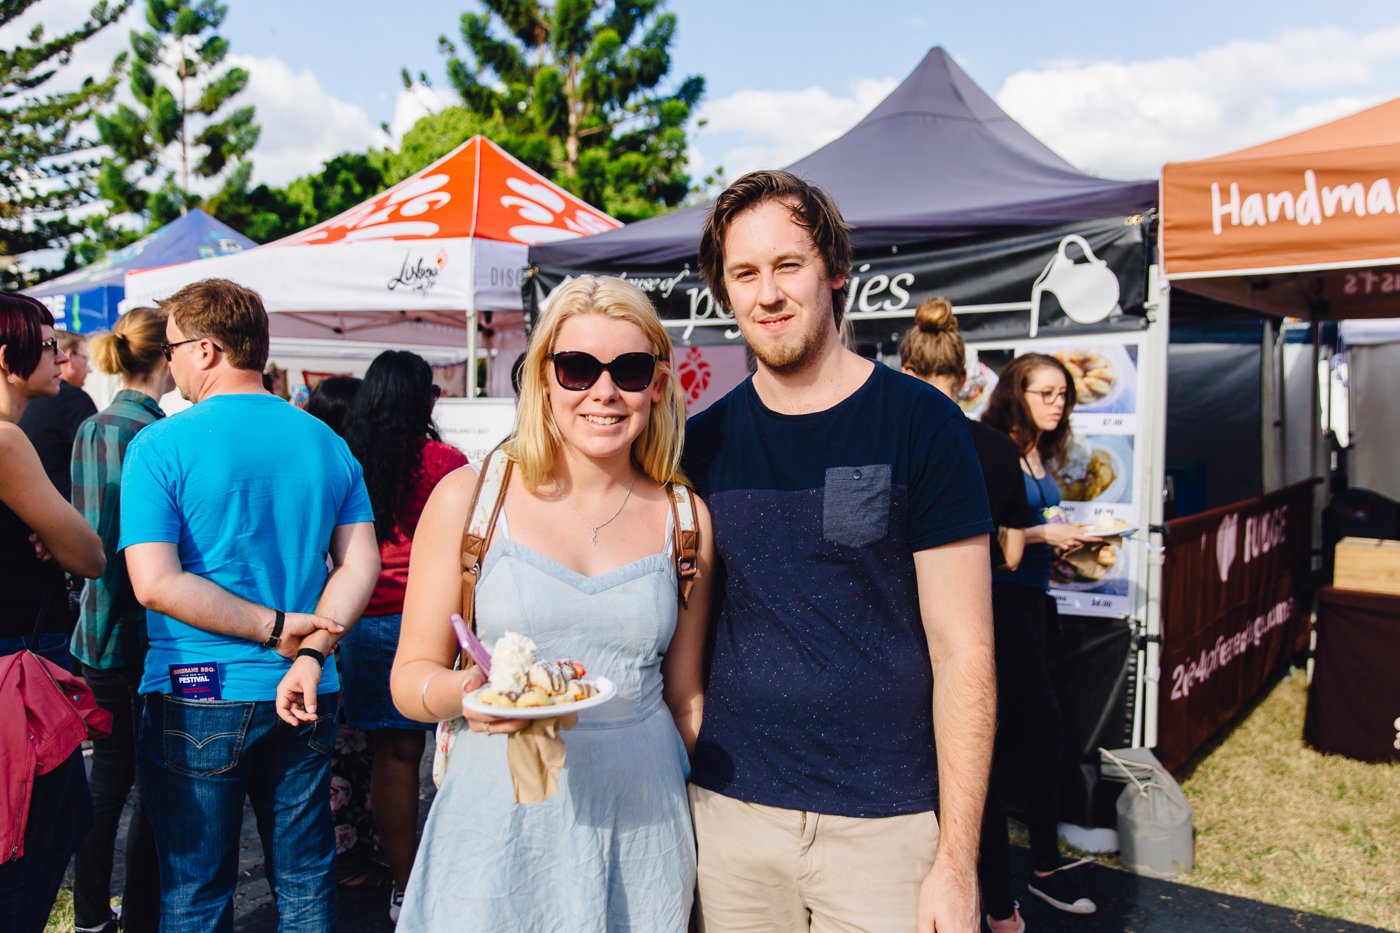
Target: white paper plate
column 606, row 691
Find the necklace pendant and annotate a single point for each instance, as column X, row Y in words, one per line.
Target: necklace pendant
column 595, row 537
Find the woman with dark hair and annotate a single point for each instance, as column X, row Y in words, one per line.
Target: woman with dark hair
column 390, row 431
column 1031, row 404
column 110, row 639
column 41, row 535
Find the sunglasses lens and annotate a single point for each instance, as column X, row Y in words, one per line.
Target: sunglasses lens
column 632, row 372
column 575, row 370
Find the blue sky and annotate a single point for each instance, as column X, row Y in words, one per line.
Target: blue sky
column 1116, row 91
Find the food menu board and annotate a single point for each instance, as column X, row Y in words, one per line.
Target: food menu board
column 1100, row 480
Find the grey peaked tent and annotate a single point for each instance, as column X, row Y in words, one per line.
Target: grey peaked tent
column 949, row 196
column 946, row 193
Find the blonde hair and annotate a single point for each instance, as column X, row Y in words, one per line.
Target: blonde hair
column 133, row 346
column 535, row 443
column 933, row 346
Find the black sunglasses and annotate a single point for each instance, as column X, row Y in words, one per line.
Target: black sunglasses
column 169, row 348
column 577, row 371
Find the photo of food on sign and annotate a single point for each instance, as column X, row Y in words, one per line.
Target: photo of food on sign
column 1105, row 376
column 1097, row 468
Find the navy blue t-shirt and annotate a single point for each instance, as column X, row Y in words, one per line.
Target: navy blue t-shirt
column 819, row 690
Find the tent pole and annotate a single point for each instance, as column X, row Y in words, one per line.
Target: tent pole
column 1316, row 468
column 471, row 353
column 1153, row 409
column 1268, row 417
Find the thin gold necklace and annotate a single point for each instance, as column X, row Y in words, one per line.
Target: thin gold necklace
column 595, row 528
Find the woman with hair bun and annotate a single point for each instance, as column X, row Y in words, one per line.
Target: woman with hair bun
column 110, row 640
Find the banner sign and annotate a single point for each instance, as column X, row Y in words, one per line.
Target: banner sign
column 1232, row 610
column 475, row 425
column 1023, row 283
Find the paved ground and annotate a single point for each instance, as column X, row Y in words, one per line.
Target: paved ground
column 1127, row 903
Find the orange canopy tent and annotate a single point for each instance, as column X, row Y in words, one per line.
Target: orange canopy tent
column 1306, row 225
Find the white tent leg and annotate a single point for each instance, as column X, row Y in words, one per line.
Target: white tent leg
column 471, row 353
column 1153, row 411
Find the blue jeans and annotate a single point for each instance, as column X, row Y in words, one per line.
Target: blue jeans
column 60, row 813
column 199, row 759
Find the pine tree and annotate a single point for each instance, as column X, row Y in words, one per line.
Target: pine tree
column 46, row 166
column 178, row 132
column 578, row 86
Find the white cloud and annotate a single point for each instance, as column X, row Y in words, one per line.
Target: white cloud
column 1125, row 119
column 754, row 129
column 414, row 103
column 303, row 124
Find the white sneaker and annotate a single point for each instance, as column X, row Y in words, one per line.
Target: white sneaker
column 395, row 904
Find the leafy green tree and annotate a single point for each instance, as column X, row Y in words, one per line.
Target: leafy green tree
column 46, row 165
column 577, row 86
column 265, row 213
column 180, row 131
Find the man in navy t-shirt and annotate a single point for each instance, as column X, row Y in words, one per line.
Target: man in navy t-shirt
column 851, row 521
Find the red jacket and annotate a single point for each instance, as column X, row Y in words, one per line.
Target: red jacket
column 45, row 713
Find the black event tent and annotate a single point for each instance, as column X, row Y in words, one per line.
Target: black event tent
column 937, row 181
column 947, row 196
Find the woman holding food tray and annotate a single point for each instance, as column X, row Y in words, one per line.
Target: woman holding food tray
column 1031, row 404
column 580, row 562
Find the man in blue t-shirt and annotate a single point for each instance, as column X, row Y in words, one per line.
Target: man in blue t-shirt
column 851, row 522
column 249, row 538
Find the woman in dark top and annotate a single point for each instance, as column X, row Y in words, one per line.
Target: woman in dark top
column 41, row 535
column 1031, row 404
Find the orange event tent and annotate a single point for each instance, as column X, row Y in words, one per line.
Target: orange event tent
column 410, row 266
column 1306, row 225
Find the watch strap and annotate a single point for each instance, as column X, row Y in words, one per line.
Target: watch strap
column 319, row 658
column 278, row 621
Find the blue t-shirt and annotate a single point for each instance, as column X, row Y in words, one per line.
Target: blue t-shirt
column 1034, row 569
column 249, row 488
column 819, row 690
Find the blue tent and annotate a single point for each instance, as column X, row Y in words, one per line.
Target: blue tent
column 86, row 300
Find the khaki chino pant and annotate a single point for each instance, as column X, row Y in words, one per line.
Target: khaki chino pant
column 769, row 870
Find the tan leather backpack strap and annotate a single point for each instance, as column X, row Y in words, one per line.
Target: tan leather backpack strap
column 487, row 499
column 685, row 538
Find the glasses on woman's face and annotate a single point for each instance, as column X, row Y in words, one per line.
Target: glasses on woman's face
column 577, row 371
column 1050, row 396
column 50, row 345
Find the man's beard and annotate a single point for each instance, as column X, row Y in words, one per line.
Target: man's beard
column 788, row 357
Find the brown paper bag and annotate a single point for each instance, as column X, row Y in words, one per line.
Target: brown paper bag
column 536, row 755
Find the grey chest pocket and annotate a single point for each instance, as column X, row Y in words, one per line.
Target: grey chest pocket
column 856, row 504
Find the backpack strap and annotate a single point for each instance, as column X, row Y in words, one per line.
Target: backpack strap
column 487, row 499
column 685, row 538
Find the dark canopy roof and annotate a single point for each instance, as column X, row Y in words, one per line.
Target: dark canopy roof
column 937, row 158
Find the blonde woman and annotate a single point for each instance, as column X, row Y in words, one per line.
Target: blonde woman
column 580, row 561
column 110, row 640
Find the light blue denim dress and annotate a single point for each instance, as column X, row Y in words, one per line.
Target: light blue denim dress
column 613, row 849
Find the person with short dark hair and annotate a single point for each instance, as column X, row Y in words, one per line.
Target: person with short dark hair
column 52, row 423
column 249, row 539
column 41, row 535
column 330, row 401
column 851, row 521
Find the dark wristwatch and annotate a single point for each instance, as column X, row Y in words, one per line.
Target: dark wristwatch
column 312, row 653
column 278, row 621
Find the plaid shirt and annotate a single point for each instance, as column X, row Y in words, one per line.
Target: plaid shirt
column 111, row 628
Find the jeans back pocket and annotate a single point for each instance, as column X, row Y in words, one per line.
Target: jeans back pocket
column 203, row 737
column 856, row 504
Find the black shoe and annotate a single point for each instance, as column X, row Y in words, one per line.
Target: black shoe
column 1057, row 889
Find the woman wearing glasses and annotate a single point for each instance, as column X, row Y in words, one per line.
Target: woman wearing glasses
column 1031, row 404
column 41, row 535
column 389, row 428
column 580, row 561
